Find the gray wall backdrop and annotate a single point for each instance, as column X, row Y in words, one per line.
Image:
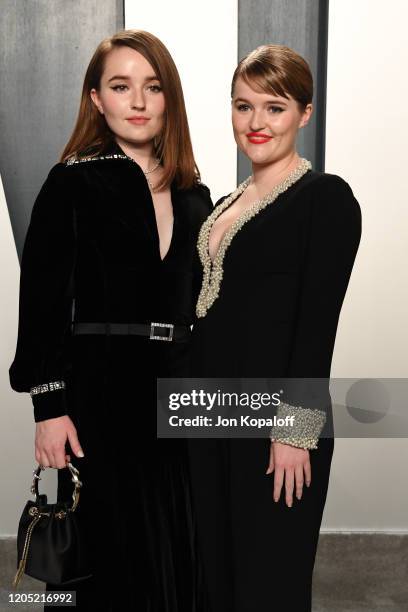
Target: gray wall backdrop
column 303, row 26
column 45, row 47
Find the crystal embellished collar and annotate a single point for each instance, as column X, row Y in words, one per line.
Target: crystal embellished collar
column 73, row 160
column 213, row 270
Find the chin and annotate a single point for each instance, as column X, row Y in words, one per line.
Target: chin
column 260, row 159
column 142, row 140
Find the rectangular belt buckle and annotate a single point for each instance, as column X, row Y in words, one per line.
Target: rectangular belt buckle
column 168, row 338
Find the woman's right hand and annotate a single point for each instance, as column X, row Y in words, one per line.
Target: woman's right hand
column 50, row 439
column 292, row 466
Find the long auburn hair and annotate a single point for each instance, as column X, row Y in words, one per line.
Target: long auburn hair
column 279, row 70
column 92, row 136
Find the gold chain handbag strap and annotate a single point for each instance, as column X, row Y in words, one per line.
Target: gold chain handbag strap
column 36, row 514
column 75, row 480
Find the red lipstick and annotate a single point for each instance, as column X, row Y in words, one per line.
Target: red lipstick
column 258, row 137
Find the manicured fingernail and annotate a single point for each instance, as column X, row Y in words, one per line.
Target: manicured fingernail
column 81, row 454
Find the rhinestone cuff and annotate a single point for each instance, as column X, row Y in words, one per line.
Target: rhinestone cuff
column 52, row 386
column 306, row 428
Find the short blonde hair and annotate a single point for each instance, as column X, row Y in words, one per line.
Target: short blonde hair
column 278, row 70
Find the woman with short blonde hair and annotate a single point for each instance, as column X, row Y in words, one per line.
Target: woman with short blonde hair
column 277, row 254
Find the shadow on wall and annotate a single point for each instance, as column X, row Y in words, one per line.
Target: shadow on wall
column 17, row 459
column 48, row 45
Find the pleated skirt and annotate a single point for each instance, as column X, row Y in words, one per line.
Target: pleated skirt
column 135, row 510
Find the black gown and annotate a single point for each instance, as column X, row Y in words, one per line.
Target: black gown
column 93, row 237
column 285, row 275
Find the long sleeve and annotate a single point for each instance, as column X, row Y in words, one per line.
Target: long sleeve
column 334, row 237
column 45, row 305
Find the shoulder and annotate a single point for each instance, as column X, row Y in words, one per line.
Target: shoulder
column 333, row 196
column 73, row 175
column 62, row 181
column 55, row 180
column 221, row 199
column 236, row 192
column 61, row 174
column 199, row 196
column 55, row 194
column 203, row 190
column 333, row 185
column 78, row 167
column 58, row 171
column 334, row 207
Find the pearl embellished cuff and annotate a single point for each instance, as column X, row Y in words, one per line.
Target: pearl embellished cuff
column 305, row 431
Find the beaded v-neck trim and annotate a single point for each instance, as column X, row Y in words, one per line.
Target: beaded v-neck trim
column 213, row 270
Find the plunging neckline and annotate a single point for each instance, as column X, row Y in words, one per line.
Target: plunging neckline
column 162, row 259
column 213, row 269
column 229, row 226
column 234, row 195
column 117, row 152
column 153, row 210
column 155, row 224
column 154, row 217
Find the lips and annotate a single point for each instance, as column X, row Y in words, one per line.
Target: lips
column 138, row 120
column 257, row 138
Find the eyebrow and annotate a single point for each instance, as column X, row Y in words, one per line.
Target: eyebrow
column 122, row 77
column 267, row 102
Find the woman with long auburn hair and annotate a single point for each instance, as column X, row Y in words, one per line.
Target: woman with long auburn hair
column 277, row 254
column 107, row 293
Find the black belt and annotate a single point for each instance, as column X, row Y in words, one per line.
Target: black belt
column 155, row 331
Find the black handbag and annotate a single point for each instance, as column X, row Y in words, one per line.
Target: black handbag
column 49, row 545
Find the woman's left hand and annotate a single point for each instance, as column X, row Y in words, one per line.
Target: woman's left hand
column 291, row 463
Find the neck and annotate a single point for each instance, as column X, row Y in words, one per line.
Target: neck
column 266, row 176
column 141, row 154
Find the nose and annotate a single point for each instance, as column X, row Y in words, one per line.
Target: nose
column 138, row 100
column 257, row 122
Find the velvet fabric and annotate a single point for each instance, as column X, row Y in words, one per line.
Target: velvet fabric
column 286, row 272
column 92, row 254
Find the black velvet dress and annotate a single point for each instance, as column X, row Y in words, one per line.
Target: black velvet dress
column 285, row 275
column 93, row 237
